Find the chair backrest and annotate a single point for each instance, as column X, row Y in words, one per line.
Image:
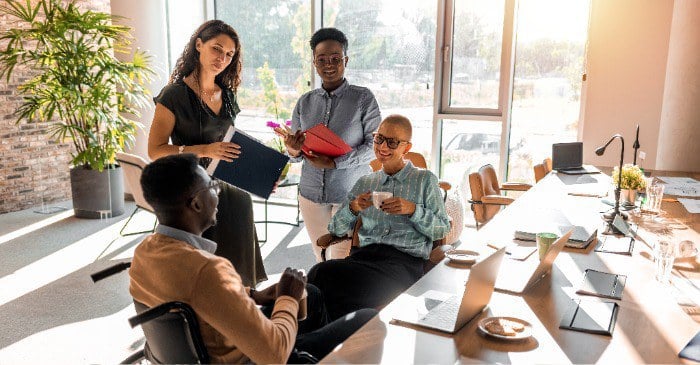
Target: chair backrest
column 132, row 166
column 542, row 169
column 481, row 183
column 416, row 159
column 172, row 334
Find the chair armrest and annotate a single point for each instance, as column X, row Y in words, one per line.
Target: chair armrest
column 438, row 253
column 444, row 185
column 516, row 186
column 328, row 240
column 496, row 200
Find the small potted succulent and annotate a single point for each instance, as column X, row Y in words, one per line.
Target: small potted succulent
column 632, row 181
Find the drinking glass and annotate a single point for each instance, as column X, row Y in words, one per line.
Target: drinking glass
column 654, row 195
column 665, row 253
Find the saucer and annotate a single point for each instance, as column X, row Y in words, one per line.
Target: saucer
column 462, row 256
column 526, row 332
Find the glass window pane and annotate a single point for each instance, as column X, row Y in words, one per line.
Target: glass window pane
column 392, row 52
column 466, row 146
column 276, row 59
column 549, row 62
column 476, row 55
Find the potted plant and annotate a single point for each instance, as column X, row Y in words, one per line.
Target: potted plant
column 632, row 181
column 85, row 94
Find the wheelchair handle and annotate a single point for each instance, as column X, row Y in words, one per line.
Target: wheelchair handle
column 110, row 271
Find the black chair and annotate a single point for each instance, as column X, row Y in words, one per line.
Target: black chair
column 171, row 329
column 172, row 334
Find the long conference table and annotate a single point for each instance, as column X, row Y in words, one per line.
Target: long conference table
column 654, row 321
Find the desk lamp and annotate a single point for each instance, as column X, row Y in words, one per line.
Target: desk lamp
column 636, row 146
column 610, row 217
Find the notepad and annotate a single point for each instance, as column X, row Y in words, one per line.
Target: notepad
column 602, row 284
column 591, row 317
column 580, row 238
column 615, row 244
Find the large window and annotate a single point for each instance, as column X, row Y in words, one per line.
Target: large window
column 392, row 52
column 549, row 64
column 276, row 58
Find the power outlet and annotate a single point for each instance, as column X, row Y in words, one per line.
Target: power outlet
column 642, row 155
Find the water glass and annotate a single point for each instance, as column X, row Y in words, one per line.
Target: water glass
column 654, row 195
column 665, row 253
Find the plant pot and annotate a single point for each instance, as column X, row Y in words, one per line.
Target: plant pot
column 97, row 194
column 628, row 196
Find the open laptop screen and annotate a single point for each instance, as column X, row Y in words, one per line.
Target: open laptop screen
column 567, row 155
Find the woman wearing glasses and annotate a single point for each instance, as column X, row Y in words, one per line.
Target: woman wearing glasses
column 194, row 111
column 349, row 111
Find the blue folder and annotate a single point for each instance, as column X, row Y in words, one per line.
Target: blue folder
column 256, row 169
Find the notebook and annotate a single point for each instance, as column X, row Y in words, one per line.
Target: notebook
column 567, row 158
column 453, row 311
column 691, row 351
column 580, row 238
column 614, row 244
column 513, row 277
column 590, row 316
column 602, row 284
column 257, row 168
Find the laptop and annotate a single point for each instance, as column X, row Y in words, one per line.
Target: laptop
column 451, row 312
column 513, row 278
column 567, row 158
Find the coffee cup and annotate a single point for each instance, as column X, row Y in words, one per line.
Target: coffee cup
column 379, row 196
column 544, row 242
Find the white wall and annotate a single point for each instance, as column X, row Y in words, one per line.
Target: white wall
column 626, row 68
column 679, row 132
column 147, row 20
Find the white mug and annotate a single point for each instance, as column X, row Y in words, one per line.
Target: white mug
column 379, row 196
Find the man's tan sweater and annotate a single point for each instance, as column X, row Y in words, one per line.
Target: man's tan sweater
column 233, row 328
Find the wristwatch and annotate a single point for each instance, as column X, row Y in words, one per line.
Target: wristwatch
column 181, row 149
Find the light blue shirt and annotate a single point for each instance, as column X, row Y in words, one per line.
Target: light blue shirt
column 413, row 235
column 352, row 113
column 187, row 237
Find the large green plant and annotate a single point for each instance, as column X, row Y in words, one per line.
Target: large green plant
column 81, row 89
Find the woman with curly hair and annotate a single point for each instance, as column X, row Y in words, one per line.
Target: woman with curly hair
column 193, row 112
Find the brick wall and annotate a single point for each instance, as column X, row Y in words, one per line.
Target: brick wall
column 33, row 167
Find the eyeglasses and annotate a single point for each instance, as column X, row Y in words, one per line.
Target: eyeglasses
column 324, row 61
column 392, row 143
column 214, row 185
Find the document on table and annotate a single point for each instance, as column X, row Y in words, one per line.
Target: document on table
column 691, row 205
column 681, row 186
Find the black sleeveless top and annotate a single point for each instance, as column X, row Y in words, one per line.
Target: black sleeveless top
column 195, row 122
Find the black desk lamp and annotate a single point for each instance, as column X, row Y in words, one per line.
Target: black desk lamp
column 610, row 217
column 636, row 146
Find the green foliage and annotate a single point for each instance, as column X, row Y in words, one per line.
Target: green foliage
column 271, row 94
column 80, row 82
column 632, row 177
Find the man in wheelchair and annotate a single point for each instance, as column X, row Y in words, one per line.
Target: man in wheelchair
column 177, row 264
column 397, row 233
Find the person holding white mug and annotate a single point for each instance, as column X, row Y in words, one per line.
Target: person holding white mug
column 396, row 235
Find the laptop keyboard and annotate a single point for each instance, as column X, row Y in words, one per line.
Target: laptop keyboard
column 444, row 315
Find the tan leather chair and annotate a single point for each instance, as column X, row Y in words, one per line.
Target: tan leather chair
column 542, row 169
column 486, row 198
column 132, row 166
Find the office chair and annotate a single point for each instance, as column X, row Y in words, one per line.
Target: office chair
column 171, row 329
column 132, row 166
column 486, row 198
column 542, row 169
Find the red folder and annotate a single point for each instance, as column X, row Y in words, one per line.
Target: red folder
column 323, row 141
